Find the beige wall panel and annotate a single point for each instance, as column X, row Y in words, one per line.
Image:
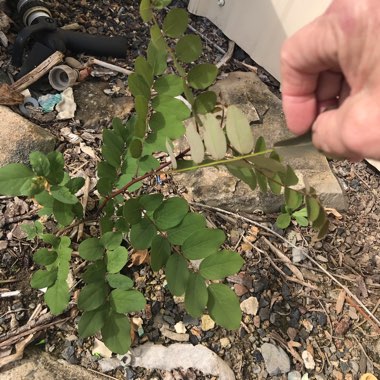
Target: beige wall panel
column 260, row 26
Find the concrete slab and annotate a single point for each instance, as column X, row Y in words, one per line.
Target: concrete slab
column 216, row 187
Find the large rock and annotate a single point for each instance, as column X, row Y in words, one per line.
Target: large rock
column 38, row 365
column 95, row 108
column 216, row 187
column 19, row 137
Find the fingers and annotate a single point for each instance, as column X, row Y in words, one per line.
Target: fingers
column 350, row 131
column 304, row 56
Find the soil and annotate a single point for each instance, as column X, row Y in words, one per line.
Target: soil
column 319, row 318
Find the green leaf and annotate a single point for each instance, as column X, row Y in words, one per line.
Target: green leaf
column 143, row 68
column 283, row 221
column 202, row 76
column 121, row 225
column 267, row 165
column 121, row 129
column 43, row 279
column 63, row 194
column 13, row 177
column 205, row 102
column 238, row 130
column 301, row 220
column 220, row 265
column 160, row 4
column 56, row 172
column 92, row 296
column 313, row 208
column 170, row 213
column 119, row 281
column 151, row 202
column 116, row 259
column 323, row 229
column 63, row 213
column 91, row 249
column 112, row 156
column 157, row 38
column 141, row 107
column 32, row 230
column 91, row 322
column 146, row 10
column 95, row 272
column 44, row 257
column 203, row 243
column 105, row 170
column 172, row 106
column 169, row 84
column 275, row 184
column 195, row 142
column 138, row 86
column 142, row 234
column 136, row 148
column 191, row 222
column 75, row 184
column 244, row 172
column 111, row 240
column 289, row 178
column 189, row 48
column 223, row 306
column 196, row 295
column 40, row 163
column 176, row 22
column 126, row 301
column 156, row 58
column 113, row 140
column 148, row 163
column 57, row 297
column 214, row 137
column 293, row 199
column 116, row 333
column 260, row 145
column 320, row 220
column 159, row 252
column 177, row 274
column 132, row 211
column 262, row 181
column 168, row 125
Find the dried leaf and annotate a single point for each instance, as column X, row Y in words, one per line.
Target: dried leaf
column 171, row 154
column 214, row 137
column 140, row 257
column 340, row 301
column 197, row 149
column 8, row 96
column 333, row 211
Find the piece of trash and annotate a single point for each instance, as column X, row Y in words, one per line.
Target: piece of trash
column 66, row 107
column 62, row 77
column 100, row 348
column 28, row 102
column 49, row 101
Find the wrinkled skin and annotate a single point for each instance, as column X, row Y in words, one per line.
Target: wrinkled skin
column 331, row 80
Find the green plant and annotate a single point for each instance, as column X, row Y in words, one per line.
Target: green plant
column 174, row 235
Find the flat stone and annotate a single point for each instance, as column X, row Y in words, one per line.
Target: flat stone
column 38, row 365
column 19, row 137
column 275, row 358
column 94, row 107
column 217, row 187
column 184, row 356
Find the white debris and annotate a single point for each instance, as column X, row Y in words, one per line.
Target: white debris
column 250, row 306
column 66, row 107
column 308, row 360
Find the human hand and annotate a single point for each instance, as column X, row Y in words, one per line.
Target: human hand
column 334, row 62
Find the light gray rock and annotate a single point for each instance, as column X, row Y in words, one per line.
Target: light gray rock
column 19, row 137
column 275, row 358
column 294, row 375
column 184, row 356
column 109, row 364
column 217, row 187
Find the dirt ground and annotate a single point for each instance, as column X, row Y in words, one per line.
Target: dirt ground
column 315, row 315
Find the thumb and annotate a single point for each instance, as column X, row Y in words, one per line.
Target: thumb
column 350, row 131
